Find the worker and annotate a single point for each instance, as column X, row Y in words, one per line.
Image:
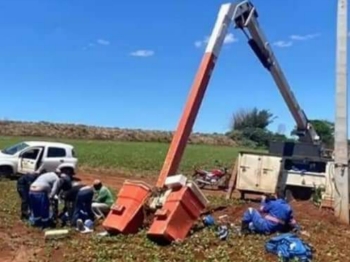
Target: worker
column 69, row 197
column 64, row 185
column 43, row 190
column 103, row 200
column 82, row 206
column 277, row 216
column 23, row 187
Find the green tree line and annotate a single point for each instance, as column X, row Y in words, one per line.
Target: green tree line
column 250, row 128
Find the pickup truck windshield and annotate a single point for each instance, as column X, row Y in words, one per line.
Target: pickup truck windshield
column 14, row 149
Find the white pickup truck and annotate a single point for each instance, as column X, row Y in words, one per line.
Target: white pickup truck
column 28, row 156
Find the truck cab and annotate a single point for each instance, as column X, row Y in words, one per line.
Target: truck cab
column 29, row 156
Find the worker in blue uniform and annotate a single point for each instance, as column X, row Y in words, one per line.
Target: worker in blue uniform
column 43, row 196
column 23, row 186
column 275, row 215
column 69, row 197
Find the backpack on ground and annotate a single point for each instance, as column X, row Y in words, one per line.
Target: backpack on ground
column 289, row 247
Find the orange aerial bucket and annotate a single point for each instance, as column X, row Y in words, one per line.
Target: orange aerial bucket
column 180, row 211
column 126, row 215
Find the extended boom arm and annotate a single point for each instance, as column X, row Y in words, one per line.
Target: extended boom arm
column 244, row 16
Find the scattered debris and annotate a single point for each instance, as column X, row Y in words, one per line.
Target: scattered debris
column 208, row 220
column 103, row 234
column 305, row 233
column 289, row 246
column 56, row 233
column 222, row 232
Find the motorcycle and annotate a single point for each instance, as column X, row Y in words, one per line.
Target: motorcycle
column 215, row 178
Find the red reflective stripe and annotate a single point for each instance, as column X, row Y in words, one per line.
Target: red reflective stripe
column 274, row 219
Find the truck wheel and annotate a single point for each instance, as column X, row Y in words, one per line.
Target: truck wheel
column 5, row 171
column 298, row 194
column 303, row 194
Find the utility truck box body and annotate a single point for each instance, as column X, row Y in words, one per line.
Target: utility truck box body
column 267, row 173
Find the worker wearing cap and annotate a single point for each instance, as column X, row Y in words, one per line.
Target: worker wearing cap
column 42, row 191
column 103, row 200
column 276, row 215
column 23, row 187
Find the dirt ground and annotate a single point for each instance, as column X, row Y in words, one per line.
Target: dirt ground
column 20, row 243
column 116, row 181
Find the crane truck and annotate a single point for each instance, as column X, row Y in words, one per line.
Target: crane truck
column 296, row 168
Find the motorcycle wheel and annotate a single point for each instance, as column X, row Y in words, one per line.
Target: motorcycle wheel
column 200, row 184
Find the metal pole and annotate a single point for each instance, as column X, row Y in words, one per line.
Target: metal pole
column 341, row 203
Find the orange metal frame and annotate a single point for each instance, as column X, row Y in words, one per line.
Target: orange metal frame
column 199, row 86
column 179, row 141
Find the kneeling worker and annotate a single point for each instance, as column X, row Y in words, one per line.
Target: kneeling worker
column 69, row 198
column 103, row 201
column 82, row 206
column 278, row 217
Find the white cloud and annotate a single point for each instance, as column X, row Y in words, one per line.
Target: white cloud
column 304, row 37
column 198, row 44
column 283, row 44
column 97, row 42
column 103, row 42
column 294, row 38
column 143, row 53
column 229, row 39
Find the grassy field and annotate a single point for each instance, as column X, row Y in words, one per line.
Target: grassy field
column 139, row 156
column 19, row 242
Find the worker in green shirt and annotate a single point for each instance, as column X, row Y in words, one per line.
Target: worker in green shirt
column 102, row 201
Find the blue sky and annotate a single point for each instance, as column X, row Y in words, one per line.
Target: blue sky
column 131, row 63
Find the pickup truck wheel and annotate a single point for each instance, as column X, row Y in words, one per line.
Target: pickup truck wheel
column 5, row 171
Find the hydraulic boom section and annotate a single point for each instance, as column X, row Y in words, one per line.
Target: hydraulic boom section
column 242, row 15
column 245, row 18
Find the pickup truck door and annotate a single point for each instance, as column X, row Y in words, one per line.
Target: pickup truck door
column 28, row 159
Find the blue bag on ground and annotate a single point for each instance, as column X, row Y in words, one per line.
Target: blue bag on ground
column 289, row 246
